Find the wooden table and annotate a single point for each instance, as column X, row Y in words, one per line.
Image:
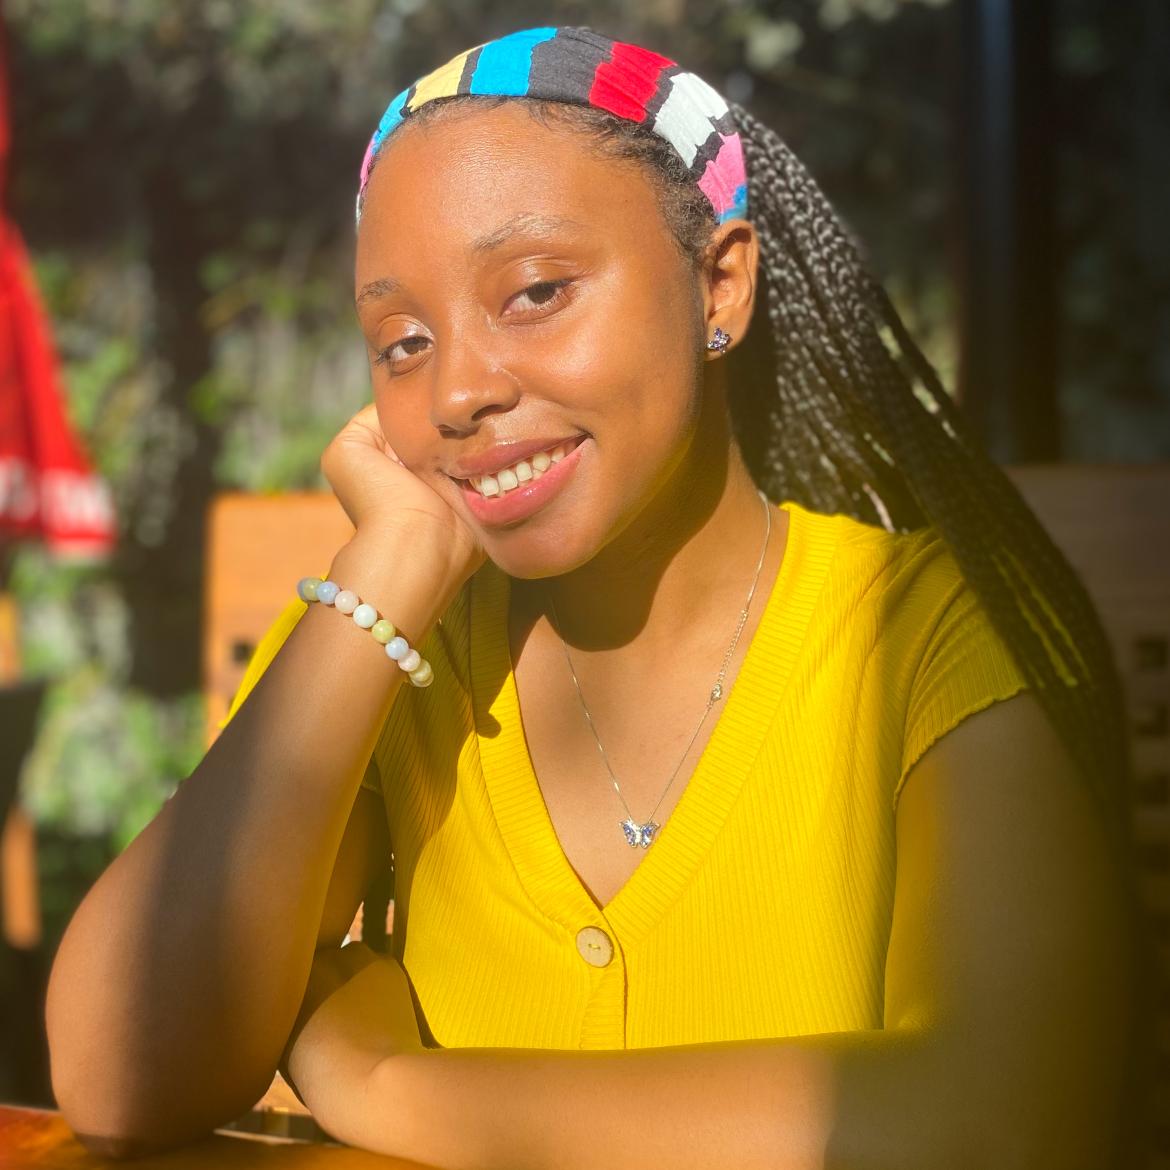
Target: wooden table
column 39, row 1139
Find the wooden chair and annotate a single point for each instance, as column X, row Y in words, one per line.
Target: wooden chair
column 258, row 547
column 1112, row 522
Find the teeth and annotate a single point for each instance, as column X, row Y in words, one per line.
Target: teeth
column 522, row 472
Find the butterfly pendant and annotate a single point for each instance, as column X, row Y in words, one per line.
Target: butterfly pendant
column 639, row 834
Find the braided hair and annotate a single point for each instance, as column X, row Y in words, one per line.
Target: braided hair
column 869, row 429
column 835, row 407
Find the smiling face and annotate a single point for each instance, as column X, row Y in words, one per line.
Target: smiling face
column 514, row 288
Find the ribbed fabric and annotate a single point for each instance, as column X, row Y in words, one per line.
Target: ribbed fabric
column 764, row 906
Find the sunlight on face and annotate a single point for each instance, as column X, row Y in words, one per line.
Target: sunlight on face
column 512, row 286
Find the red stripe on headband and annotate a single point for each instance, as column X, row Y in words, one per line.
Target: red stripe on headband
column 625, row 84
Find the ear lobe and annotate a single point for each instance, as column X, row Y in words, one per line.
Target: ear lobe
column 730, row 277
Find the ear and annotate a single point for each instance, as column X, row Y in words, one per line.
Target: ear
column 729, row 280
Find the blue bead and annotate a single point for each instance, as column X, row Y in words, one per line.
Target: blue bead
column 397, row 648
column 327, row 592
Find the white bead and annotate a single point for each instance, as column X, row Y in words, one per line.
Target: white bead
column 410, row 660
column 346, row 601
column 365, row 615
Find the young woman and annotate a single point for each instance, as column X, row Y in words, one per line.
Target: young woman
column 751, row 762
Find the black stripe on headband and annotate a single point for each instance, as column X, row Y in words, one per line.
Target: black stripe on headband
column 564, row 67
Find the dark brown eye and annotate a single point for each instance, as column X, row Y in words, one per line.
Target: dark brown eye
column 388, row 355
column 544, row 294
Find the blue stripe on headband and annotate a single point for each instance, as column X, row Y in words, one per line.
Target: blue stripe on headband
column 390, row 118
column 504, row 65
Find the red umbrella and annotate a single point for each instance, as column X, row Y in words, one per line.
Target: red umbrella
column 48, row 491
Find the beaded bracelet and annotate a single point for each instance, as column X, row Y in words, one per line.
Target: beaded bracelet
column 418, row 670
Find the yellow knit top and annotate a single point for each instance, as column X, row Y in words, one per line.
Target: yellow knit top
column 764, row 906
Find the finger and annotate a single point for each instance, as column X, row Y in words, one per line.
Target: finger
column 367, row 418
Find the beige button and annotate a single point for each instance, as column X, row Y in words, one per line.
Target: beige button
column 594, row 946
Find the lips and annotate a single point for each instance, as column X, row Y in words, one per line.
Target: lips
column 502, row 455
column 529, row 498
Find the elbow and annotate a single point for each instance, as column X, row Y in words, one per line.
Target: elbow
column 89, row 1083
column 121, row 1117
column 103, row 1121
column 128, row 1125
column 116, row 1107
column 104, row 1113
column 118, row 1142
column 118, row 1147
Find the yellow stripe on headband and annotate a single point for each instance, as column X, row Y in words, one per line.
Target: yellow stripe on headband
column 443, row 82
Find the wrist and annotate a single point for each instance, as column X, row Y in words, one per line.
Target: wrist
column 408, row 581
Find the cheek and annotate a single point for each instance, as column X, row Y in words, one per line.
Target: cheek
column 623, row 360
column 401, row 430
column 398, row 417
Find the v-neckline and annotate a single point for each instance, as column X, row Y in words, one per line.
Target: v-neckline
column 727, row 757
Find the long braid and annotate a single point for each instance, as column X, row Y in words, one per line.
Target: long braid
column 831, row 320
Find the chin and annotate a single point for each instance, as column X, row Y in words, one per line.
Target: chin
column 530, row 554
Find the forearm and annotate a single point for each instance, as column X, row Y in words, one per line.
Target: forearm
column 879, row 1100
column 155, row 1024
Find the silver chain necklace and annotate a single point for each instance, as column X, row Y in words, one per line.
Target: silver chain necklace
column 642, row 834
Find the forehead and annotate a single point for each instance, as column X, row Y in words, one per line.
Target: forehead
column 454, row 181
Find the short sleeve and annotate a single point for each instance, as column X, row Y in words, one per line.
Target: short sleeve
column 266, row 650
column 965, row 667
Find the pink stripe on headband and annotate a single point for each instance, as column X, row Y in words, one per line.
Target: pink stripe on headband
column 724, row 180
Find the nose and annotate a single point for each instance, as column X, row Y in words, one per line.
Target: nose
column 470, row 384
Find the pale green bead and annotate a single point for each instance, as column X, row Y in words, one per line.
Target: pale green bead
column 422, row 675
column 307, row 588
column 383, row 631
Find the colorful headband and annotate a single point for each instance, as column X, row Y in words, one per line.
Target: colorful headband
column 582, row 67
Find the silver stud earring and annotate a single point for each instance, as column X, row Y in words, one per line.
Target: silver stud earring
column 720, row 341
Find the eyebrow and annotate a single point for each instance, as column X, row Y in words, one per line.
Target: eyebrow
column 377, row 288
column 527, row 223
